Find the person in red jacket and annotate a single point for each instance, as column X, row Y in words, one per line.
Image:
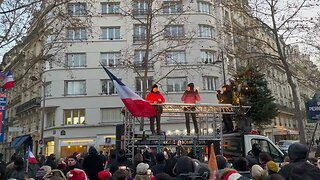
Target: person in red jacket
column 155, row 97
column 191, row 96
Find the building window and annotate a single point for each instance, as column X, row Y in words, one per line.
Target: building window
column 140, row 7
column 176, row 57
column 174, row 31
column 50, row 119
column 76, row 34
column 76, row 60
column 110, row 33
column 210, row 83
column 139, row 57
column 47, row 89
column 111, row 59
column 107, row 87
column 207, row 56
column 77, row 9
column 172, row 7
column 204, row 7
column 176, row 84
column 139, row 87
column 77, row 87
column 139, row 32
column 110, row 8
column 205, row 31
column 74, row 116
column 111, row 115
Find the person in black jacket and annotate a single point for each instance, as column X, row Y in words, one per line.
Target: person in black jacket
column 299, row 167
column 121, row 161
column 51, row 161
column 226, row 98
column 92, row 164
column 2, row 167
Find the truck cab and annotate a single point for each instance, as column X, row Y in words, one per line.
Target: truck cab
column 236, row 145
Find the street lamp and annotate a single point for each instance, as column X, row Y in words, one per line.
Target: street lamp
column 34, row 78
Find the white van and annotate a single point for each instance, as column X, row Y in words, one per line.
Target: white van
column 236, row 145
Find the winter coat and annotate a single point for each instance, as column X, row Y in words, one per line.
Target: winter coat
column 92, row 164
column 298, row 154
column 51, row 162
column 153, row 98
column 121, row 161
column 142, row 177
column 190, row 97
column 158, row 168
column 2, row 169
column 305, row 171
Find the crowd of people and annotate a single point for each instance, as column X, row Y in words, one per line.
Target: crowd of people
column 165, row 165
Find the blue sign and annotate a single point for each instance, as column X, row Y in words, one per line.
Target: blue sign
column 313, row 110
column 3, row 102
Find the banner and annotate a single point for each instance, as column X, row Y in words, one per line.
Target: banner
column 3, row 102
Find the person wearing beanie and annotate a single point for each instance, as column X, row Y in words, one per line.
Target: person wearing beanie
column 143, row 172
column 104, row 175
column 298, row 154
column 226, row 98
column 190, row 96
column 155, row 97
column 92, row 164
column 77, row 174
column 272, row 167
column 221, row 162
column 160, row 166
column 257, row 173
column 231, row 174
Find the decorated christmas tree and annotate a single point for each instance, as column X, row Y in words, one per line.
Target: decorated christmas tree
column 250, row 89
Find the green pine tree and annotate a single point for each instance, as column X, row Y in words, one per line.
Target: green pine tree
column 253, row 91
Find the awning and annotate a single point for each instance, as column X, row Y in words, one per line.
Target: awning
column 280, row 130
column 18, row 141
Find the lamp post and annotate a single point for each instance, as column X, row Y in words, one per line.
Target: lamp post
column 41, row 141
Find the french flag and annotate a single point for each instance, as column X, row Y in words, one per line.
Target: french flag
column 31, row 158
column 8, row 81
column 137, row 106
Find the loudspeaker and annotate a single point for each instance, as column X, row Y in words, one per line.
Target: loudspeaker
column 119, row 134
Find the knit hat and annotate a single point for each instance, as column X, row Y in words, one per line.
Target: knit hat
column 76, row 174
column 142, row 168
column 272, row 166
column 43, row 171
column 221, row 162
column 104, row 175
column 257, row 172
column 160, row 157
column 231, row 175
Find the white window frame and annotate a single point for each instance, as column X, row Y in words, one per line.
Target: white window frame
column 50, row 118
column 77, row 9
column 74, row 60
column 172, row 7
column 139, row 32
column 110, row 8
column 140, row 7
column 139, row 57
column 74, row 34
column 111, row 59
column 110, row 33
column 107, row 87
column 210, row 83
column 179, row 84
column 174, row 31
column 139, row 86
column 206, row 31
column 110, row 115
column 205, row 7
column 208, row 56
column 75, row 116
column 74, row 87
column 176, row 57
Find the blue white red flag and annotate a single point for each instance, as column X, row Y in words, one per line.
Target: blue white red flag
column 31, row 158
column 8, row 81
column 137, row 106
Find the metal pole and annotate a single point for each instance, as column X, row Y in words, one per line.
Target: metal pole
column 314, row 132
column 223, row 69
column 43, row 113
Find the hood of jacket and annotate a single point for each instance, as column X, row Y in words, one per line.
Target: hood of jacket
column 297, row 152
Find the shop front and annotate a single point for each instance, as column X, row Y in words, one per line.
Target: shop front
column 71, row 146
column 106, row 143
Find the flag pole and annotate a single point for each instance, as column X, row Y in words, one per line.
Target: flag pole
column 27, row 167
